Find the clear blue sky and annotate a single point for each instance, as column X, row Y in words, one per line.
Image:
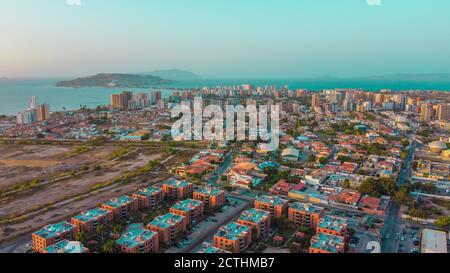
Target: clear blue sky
column 225, row 38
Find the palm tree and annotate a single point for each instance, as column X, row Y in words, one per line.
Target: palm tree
column 81, row 236
column 109, row 246
column 100, row 231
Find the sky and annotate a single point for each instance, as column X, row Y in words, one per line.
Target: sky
column 224, row 38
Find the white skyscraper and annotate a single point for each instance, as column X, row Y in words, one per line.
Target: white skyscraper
column 33, row 103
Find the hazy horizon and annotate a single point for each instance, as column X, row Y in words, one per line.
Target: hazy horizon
column 290, row 39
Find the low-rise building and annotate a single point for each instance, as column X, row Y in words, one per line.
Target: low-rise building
column 149, row 197
column 66, row 247
column 121, row 207
column 258, row 220
column 433, row 241
column 178, row 189
column 52, row 234
column 303, row 214
column 275, row 205
column 169, row 227
column 333, row 225
column 327, row 243
column 212, row 197
column 137, row 239
column 191, row 209
column 209, row 249
column 88, row 221
column 290, row 154
column 346, row 197
column 234, row 237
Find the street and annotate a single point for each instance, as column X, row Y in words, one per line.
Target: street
column 393, row 220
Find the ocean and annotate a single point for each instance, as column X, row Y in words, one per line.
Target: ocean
column 15, row 93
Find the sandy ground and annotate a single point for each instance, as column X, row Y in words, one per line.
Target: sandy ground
column 64, row 211
column 20, row 164
column 71, row 187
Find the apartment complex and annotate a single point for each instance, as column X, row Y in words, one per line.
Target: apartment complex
column 233, row 237
column 302, row 214
column 149, row 197
column 212, row 197
column 52, row 234
column 66, row 247
column 258, row 220
column 333, row 225
column 88, row 221
column 121, row 207
column 327, row 243
column 177, row 189
column 191, row 209
column 169, row 227
column 275, row 205
column 136, row 239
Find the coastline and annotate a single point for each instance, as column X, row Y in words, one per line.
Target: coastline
column 15, row 93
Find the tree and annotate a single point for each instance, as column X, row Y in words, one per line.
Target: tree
column 81, row 236
column 443, row 222
column 418, row 213
column 425, row 187
column 323, row 160
column 402, row 196
column 109, row 246
column 346, row 183
column 100, row 231
column 368, row 187
column 117, row 229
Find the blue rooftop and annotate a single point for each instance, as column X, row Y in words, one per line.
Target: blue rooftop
column 232, row 231
column 254, row 215
column 209, row 191
column 337, row 224
column 176, row 183
column 149, row 191
column 66, row 246
column 135, row 235
column 327, row 242
column 187, row 205
column 272, row 200
column 118, row 202
column 51, row 231
column 166, row 220
column 266, row 164
column 92, row 214
column 309, row 208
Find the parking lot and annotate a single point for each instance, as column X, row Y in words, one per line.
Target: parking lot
column 207, row 228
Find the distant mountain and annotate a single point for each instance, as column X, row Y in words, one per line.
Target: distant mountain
column 3, row 78
column 175, row 75
column 116, row 80
column 442, row 77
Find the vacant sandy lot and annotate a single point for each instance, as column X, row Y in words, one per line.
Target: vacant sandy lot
column 19, row 164
column 58, row 191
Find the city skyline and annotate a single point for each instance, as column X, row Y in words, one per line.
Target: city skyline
column 293, row 39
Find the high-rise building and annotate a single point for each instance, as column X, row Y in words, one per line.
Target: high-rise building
column 315, row 102
column 27, row 117
column 33, row 103
column 124, row 100
column 443, row 112
column 425, row 113
column 117, row 101
column 43, row 112
column 155, row 96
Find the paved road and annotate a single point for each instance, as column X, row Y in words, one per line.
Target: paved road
column 393, row 220
column 206, row 230
column 222, row 168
